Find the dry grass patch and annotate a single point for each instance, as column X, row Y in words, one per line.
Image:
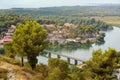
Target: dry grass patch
column 3, row 74
column 32, row 74
column 13, row 71
column 115, row 20
column 9, row 60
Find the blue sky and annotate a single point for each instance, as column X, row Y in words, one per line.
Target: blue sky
column 48, row 3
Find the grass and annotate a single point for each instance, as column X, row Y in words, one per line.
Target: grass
column 113, row 20
column 9, row 60
column 23, row 73
column 3, row 74
column 110, row 19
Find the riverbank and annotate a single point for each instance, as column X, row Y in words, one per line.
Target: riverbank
column 117, row 25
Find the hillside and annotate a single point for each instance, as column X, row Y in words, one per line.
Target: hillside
column 10, row 69
column 107, row 13
column 102, row 66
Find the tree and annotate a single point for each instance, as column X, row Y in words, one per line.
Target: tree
column 76, row 73
column 57, row 69
column 3, row 34
column 102, row 65
column 29, row 40
column 9, row 51
column 100, row 38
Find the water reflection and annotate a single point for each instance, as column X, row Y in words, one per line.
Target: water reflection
column 112, row 39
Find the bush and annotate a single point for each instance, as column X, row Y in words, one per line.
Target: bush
column 42, row 69
column 3, row 74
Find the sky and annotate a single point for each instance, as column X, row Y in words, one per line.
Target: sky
column 5, row 4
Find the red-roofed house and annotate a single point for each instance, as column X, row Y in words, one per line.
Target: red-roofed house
column 7, row 38
column 1, row 41
column 8, row 35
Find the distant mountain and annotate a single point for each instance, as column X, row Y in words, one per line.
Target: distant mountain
column 109, row 5
column 89, row 4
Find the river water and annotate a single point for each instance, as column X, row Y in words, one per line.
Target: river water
column 112, row 40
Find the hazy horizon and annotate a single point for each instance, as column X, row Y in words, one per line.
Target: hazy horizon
column 7, row 4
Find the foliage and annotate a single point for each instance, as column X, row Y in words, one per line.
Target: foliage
column 57, row 69
column 73, row 11
column 9, row 51
column 118, row 56
column 3, row 74
column 41, row 68
column 100, row 38
column 10, row 19
column 101, row 65
column 76, row 74
column 29, row 40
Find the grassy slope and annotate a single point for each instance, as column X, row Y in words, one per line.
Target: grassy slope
column 11, row 69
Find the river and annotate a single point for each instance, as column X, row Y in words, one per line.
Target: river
column 112, row 40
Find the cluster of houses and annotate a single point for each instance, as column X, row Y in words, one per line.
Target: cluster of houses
column 8, row 35
column 64, row 35
column 57, row 33
column 61, row 35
